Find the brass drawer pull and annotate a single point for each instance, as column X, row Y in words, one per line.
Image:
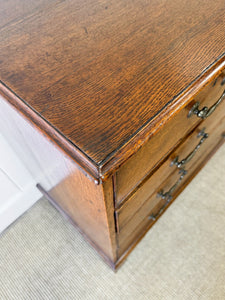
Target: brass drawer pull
column 181, row 163
column 154, row 217
column 168, row 195
column 205, row 112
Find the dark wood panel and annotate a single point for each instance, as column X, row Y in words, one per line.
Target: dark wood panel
column 137, row 167
column 100, row 71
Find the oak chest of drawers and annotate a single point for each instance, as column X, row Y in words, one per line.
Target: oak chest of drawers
column 118, row 103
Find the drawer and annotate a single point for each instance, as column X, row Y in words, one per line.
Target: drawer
column 133, row 224
column 195, row 141
column 131, row 173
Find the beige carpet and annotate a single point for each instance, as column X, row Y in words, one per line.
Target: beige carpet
column 182, row 257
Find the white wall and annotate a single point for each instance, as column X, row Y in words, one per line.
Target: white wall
column 18, row 190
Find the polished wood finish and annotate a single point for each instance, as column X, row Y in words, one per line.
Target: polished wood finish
column 170, row 174
column 163, row 171
column 136, row 225
column 145, row 229
column 94, row 95
column 133, row 172
column 88, row 69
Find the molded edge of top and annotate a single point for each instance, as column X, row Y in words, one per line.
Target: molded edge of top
column 100, row 172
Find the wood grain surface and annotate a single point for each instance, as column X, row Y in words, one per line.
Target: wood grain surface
column 99, row 72
column 131, row 173
column 151, row 185
column 135, row 227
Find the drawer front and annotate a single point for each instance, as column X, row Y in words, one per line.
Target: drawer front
column 180, row 157
column 133, row 225
column 132, row 173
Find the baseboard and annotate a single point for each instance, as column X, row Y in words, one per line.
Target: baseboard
column 17, row 205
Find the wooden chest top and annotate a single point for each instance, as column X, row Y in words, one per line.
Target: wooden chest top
column 98, row 77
